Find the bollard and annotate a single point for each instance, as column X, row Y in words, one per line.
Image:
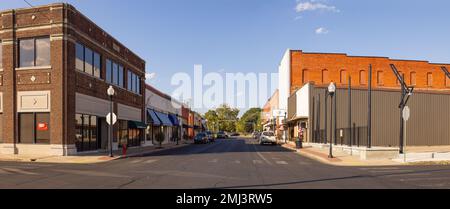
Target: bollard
column 124, row 150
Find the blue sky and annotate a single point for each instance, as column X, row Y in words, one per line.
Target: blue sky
column 251, row 35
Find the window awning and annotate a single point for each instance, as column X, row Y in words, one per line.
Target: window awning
column 165, row 121
column 153, row 119
column 136, row 124
column 174, row 119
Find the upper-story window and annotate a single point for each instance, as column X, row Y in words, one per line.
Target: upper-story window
column 87, row 60
column 305, row 76
column 325, row 76
column 380, row 78
column 362, row 77
column 114, row 73
column 413, row 78
column 429, row 79
column 34, row 52
column 1, row 55
column 344, row 77
column 134, row 82
column 447, row 81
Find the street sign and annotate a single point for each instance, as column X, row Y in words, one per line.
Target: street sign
column 406, row 113
column 114, row 118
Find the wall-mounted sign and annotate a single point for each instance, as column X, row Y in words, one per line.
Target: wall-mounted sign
column 42, row 126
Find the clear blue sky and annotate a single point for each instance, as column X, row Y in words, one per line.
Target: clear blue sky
column 251, row 35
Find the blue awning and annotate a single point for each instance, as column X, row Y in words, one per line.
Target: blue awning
column 174, row 119
column 164, row 118
column 151, row 115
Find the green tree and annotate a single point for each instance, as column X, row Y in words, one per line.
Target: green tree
column 250, row 121
column 227, row 118
column 212, row 120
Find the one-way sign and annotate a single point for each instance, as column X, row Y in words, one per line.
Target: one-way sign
column 108, row 119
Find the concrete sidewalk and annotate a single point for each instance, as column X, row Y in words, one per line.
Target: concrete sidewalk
column 91, row 158
column 341, row 158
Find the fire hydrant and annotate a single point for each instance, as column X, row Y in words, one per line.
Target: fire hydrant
column 124, row 150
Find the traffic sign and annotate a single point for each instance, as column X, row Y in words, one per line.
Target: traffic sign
column 406, row 113
column 114, row 118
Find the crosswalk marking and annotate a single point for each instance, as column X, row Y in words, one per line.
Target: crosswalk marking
column 150, row 161
column 281, row 162
column 214, row 161
column 237, row 162
column 136, row 161
column 257, row 162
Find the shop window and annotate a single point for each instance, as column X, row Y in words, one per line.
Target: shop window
column 325, row 76
column 86, row 134
column 413, row 78
column 362, row 77
column 305, row 76
column 34, row 52
column 34, row 128
column 380, row 78
column 429, row 79
column 344, row 77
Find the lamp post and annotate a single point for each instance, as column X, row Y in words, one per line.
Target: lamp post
column 110, row 93
column 331, row 91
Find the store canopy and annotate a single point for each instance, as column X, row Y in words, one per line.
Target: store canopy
column 165, row 121
column 137, row 125
column 153, row 119
column 174, row 119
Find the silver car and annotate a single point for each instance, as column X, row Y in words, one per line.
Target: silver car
column 267, row 137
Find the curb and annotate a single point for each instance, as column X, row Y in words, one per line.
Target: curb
column 141, row 154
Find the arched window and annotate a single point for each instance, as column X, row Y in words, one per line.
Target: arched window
column 344, row 77
column 362, row 77
column 325, row 76
column 429, row 79
column 413, row 78
column 305, row 76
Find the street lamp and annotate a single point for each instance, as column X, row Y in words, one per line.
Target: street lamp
column 331, row 92
column 110, row 93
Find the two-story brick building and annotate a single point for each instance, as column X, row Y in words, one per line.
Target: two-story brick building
column 55, row 68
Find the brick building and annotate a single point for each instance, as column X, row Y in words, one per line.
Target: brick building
column 305, row 76
column 55, row 68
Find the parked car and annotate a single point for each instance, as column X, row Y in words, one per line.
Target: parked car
column 234, row 134
column 267, row 137
column 256, row 134
column 201, row 138
column 210, row 135
column 222, row 135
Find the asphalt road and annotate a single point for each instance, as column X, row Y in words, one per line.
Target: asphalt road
column 229, row 164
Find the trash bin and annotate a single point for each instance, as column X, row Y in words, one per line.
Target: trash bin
column 298, row 143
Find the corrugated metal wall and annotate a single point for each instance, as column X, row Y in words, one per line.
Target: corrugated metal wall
column 429, row 124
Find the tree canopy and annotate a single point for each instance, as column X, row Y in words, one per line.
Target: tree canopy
column 250, row 121
column 224, row 118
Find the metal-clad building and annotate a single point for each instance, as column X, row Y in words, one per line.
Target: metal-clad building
column 429, row 124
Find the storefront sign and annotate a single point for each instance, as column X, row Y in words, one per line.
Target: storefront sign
column 42, row 127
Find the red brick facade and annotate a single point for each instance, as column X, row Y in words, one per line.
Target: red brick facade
column 323, row 68
column 65, row 26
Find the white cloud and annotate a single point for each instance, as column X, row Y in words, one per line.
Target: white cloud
column 321, row 31
column 313, row 6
